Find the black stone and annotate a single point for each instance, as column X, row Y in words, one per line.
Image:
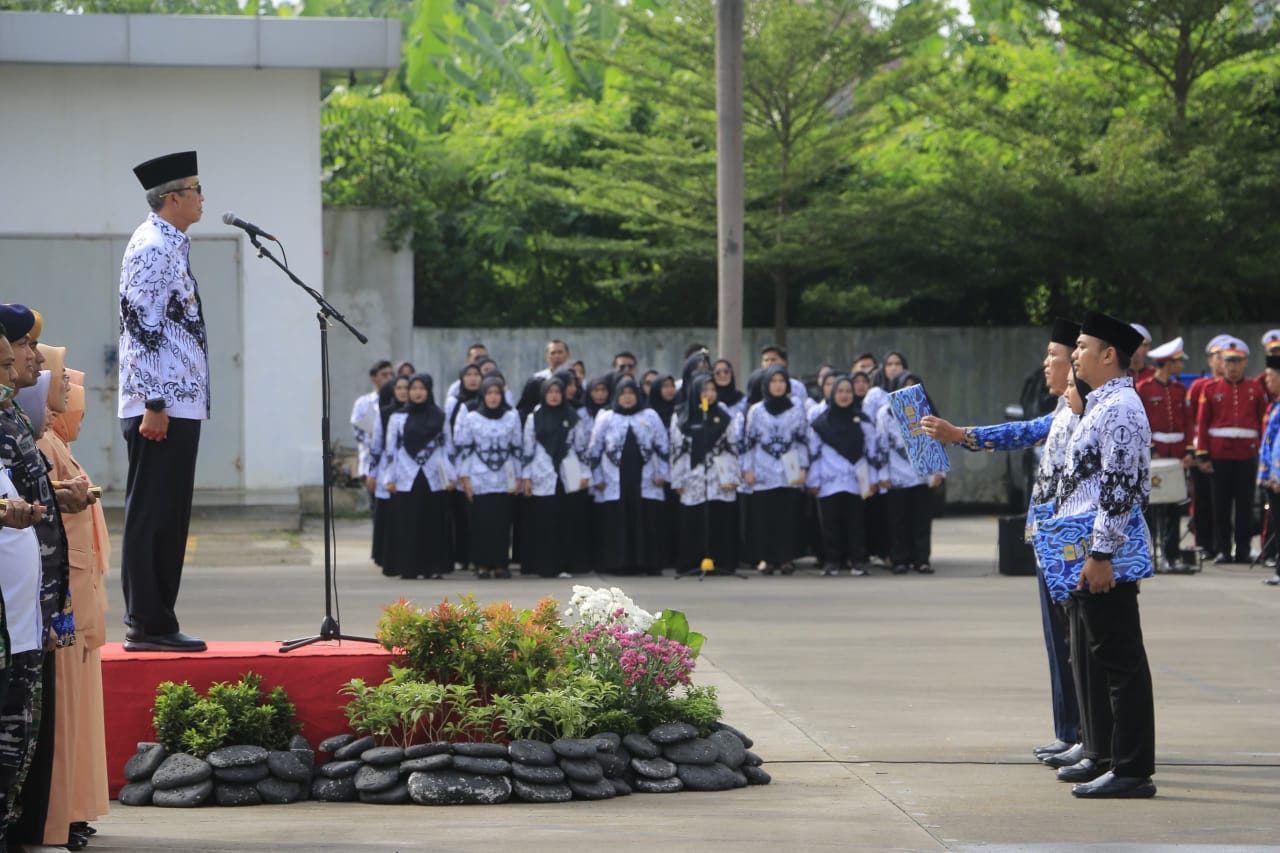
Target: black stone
column 334, row 790
column 582, row 770
column 672, row 733
column 237, row 756
column 136, row 794
column 532, row 752
column 431, row 762
column 620, row 787
column 729, row 748
column 483, row 766
column 451, row 788
column 300, row 742
column 654, row 768
column 739, row 778
column 422, row 750
column 752, row 759
column 607, row 741
column 530, row 792
column 340, row 769
column 573, row 747
column 706, row 777
column 332, row 744
column 186, row 797
column 372, row 779
column 725, row 727
column 756, row 775
column 613, row 764
column 480, row 750
column 306, row 756
column 289, row 766
column 537, row 774
column 696, row 751
column 382, row 756
column 241, row 775
column 181, row 771
column 397, row 795
column 277, row 792
column 601, row 789
column 645, row 785
column 641, row 747
column 228, row 794
column 355, row 749
column 145, row 762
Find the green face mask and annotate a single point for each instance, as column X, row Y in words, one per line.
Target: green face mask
column 6, row 393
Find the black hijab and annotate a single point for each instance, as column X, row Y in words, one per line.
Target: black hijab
column 856, row 399
column 529, row 398
column 704, row 428
column 900, row 381
column 387, row 402
column 883, row 379
column 699, row 362
column 465, row 398
column 482, row 405
column 776, row 405
column 592, row 406
column 727, row 394
column 755, row 387
column 425, row 421
column 621, row 385
column 840, row 427
column 567, row 377
column 664, row 408
column 552, row 424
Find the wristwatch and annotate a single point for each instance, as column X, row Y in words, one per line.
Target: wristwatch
column 155, row 404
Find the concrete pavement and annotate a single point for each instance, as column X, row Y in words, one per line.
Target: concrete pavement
column 894, row 713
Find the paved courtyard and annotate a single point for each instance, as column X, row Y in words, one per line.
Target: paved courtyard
column 894, row 713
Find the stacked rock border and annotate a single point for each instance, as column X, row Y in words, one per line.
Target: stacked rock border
column 670, row 758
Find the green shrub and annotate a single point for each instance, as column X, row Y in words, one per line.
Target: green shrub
column 698, row 707
column 616, row 721
column 231, row 714
column 208, row 725
column 547, row 715
column 402, row 711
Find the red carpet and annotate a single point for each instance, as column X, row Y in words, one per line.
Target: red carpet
column 311, row 676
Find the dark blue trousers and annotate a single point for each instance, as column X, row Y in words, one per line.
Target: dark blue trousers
column 1066, row 706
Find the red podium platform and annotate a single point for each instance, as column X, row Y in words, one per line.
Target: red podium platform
column 311, row 675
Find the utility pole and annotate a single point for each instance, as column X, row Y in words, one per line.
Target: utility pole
column 729, row 181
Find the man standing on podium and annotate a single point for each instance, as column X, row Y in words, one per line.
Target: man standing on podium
column 164, row 397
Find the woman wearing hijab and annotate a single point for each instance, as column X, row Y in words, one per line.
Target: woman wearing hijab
column 78, row 785
column 891, row 365
column 699, row 362
column 908, row 503
column 646, row 384
column 392, row 397
column 628, row 454
column 488, row 447
column 405, row 369
column 465, row 396
column 775, row 460
column 842, row 443
column 556, row 478
column 662, row 399
column 419, row 476
column 873, row 402
column 754, row 394
column 598, row 391
column 705, row 476
column 727, row 393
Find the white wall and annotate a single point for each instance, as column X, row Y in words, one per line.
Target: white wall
column 69, row 137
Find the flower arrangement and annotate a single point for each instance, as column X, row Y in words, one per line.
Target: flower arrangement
column 600, row 606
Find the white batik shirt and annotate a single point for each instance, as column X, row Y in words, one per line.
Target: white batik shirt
column 435, row 461
column 719, row 467
column 831, row 473
column 364, row 420
column 488, row 451
column 540, row 469
column 768, row 440
column 605, row 453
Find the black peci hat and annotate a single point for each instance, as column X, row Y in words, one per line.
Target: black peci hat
column 1119, row 334
column 170, row 167
column 1273, row 362
column 1064, row 332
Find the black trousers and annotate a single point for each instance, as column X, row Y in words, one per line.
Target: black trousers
column 844, row 532
column 157, row 515
column 1164, row 520
column 1117, row 680
column 910, row 517
column 1234, row 481
column 1271, row 529
column 1202, row 509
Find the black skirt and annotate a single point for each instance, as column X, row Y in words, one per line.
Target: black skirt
column 709, row 530
column 774, row 528
column 381, row 511
column 460, row 511
column 419, row 533
column 629, row 535
column 555, row 536
column 489, row 528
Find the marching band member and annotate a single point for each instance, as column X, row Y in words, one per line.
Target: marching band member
column 1201, row 483
column 1164, row 398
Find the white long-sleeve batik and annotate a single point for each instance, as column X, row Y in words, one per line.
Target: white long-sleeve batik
column 540, row 469
column 719, row 467
column 605, row 452
column 364, row 418
column 435, row 461
column 831, row 473
column 1108, row 470
column 891, row 453
column 488, row 451
column 775, row 447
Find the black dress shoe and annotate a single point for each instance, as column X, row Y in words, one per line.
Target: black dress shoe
column 136, row 641
column 1065, row 759
column 1084, row 770
column 1051, row 748
column 1109, row 786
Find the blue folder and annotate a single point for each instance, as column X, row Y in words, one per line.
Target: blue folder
column 1062, row 544
column 927, row 456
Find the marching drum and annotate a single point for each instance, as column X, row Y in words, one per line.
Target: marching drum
column 1168, row 481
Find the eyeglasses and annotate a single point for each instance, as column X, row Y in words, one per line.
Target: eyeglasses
column 196, row 187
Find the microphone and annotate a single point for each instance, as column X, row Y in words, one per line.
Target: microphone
column 231, row 219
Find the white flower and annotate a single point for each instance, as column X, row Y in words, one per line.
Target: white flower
column 598, row 606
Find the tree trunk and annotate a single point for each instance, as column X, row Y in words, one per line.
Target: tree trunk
column 730, row 179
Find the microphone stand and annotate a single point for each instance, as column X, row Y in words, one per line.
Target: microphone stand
column 329, row 629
